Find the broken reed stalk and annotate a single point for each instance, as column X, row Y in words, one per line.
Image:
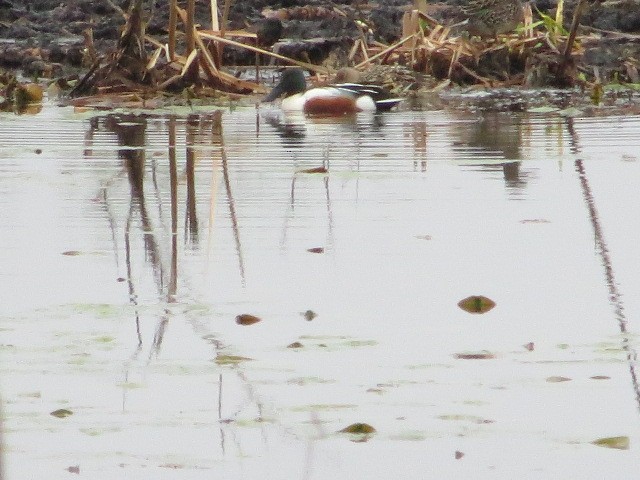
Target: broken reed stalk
column 214, row 15
column 190, row 25
column 223, row 29
column 173, row 21
column 573, row 32
column 386, row 51
column 557, row 28
column 225, row 17
column 309, row 66
column 209, row 66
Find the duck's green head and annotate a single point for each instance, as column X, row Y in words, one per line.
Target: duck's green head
column 291, row 82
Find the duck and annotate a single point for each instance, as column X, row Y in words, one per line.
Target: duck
column 333, row 99
column 490, row 18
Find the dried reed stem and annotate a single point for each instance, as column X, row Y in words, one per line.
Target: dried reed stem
column 190, row 25
column 173, row 21
column 215, row 25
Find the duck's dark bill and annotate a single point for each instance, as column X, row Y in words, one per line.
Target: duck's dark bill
column 276, row 93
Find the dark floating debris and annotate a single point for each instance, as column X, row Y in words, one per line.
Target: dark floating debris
column 315, row 250
column 600, row 377
column 230, row 359
column 483, row 355
column 314, row 170
column 359, row 428
column 529, row 346
column 558, row 379
column 476, row 304
column 74, row 469
column 459, row 454
column 535, row 220
column 295, row 345
column 247, row 319
column 359, row 432
column 309, row 315
column 61, row 413
column 71, row 253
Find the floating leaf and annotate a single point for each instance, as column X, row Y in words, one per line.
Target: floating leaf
column 230, row 359
column 466, row 418
column 104, row 339
column 600, row 377
column 620, row 443
column 545, row 109
column 529, row 346
column 360, row 343
column 315, row 250
column 71, row 253
column 459, row 454
column 483, row 355
column 130, row 385
column 476, row 304
column 535, row 220
column 295, row 345
column 423, row 237
column 570, row 112
column 61, row 413
column 314, row 170
column 379, row 391
column 30, row 395
column 74, row 469
column 359, row 429
column 309, row 315
column 172, row 466
column 247, row 319
column 558, row 379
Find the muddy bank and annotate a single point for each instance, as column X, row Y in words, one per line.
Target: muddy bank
column 47, row 38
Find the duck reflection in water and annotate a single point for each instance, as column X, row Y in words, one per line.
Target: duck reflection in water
column 296, row 129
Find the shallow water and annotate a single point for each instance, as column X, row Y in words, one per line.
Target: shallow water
column 130, row 243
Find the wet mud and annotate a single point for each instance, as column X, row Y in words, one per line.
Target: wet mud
column 46, row 38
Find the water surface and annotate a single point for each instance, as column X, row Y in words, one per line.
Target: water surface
column 131, row 242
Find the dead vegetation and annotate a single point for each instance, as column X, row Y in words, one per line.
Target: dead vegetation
column 540, row 53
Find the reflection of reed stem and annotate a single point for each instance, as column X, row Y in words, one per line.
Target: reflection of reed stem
column 191, row 219
column 132, row 292
column 232, row 207
column 173, row 181
column 614, row 294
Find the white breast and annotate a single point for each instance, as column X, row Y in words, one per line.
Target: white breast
column 294, row 103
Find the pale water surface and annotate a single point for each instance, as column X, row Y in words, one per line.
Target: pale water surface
column 130, row 243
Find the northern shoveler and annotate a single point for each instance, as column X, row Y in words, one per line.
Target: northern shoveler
column 335, row 99
column 489, row 18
